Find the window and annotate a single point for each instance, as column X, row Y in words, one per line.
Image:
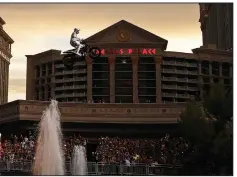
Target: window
column 6, row 45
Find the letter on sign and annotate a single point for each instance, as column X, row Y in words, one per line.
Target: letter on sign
column 144, row 52
column 129, row 51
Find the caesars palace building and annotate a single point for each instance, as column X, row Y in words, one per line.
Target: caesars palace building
column 136, row 86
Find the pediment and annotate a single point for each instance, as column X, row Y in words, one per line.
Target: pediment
column 125, row 32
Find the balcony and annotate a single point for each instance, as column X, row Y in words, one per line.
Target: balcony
column 176, row 63
column 168, row 62
column 59, row 65
column 187, row 96
column 169, row 95
column 182, row 87
column 169, row 78
column 192, row 65
column 181, row 71
column 193, row 89
column 70, row 79
column 176, row 87
column 179, row 79
column 70, row 72
column 175, row 95
column 169, row 86
column 66, row 95
column 168, row 70
column 80, row 63
column 176, row 71
column 192, row 72
column 71, row 87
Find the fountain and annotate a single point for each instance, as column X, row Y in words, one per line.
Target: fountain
column 79, row 163
column 49, row 158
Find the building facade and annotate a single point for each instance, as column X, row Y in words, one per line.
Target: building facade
column 5, row 56
column 94, row 120
column 134, row 68
column 217, row 25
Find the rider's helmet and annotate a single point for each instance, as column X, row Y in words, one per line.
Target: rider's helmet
column 76, row 30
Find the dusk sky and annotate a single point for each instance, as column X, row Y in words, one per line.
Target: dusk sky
column 39, row 27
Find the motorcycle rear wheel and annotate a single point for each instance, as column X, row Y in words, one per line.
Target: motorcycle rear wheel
column 69, row 60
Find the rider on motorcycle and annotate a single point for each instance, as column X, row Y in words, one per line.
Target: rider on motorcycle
column 76, row 42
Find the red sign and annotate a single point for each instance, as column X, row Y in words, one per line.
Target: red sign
column 148, row 51
column 129, row 51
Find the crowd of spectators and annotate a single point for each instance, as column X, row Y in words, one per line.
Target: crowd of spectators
column 166, row 150
column 18, row 148
column 70, row 142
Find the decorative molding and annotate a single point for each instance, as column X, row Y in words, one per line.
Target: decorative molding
column 123, row 35
column 123, row 113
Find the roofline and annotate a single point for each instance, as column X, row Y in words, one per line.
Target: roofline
column 2, row 22
column 8, row 37
column 45, row 52
column 117, row 23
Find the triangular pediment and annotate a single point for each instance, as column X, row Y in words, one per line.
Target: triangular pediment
column 125, row 32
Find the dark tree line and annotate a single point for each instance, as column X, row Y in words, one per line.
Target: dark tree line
column 208, row 125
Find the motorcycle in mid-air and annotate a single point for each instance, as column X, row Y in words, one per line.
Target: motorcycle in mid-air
column 70, row 56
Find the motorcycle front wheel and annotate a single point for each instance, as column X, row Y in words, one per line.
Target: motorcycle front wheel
column 94, row 52
column 69, row 60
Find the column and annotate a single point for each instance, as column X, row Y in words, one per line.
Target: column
column 4, row 81
column 40, row 93
column 220, row 73
column 231, row 71
column 1, row 79
column 112, row 79
column 200, row 67
column 220, row 69
column 52, row 85
column 41, row 69
column 46, row 69
column 7, row 81
column 200, row 80
column 89, row 78
column 158, row 60
column 53, row 67
column 46, row 93
column 231, row 74
column 210, row 72
column 135, row 78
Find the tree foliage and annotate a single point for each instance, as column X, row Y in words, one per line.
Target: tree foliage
column 209, row 127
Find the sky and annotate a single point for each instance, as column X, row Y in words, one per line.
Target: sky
column 39, row 27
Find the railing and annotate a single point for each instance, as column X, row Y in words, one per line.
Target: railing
column 179, row 79
column 70, row 79
column 71, row 87
column 63, row 95
column 80, row 63
column 180, row 63
column 100, row 168
column 177, row 95
column 70, row 72
column 179, row 71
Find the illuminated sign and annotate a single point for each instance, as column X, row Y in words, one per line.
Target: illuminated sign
column 129, row 51
column 148, row 51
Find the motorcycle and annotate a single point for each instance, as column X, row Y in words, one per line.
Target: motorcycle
column 70, row 56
